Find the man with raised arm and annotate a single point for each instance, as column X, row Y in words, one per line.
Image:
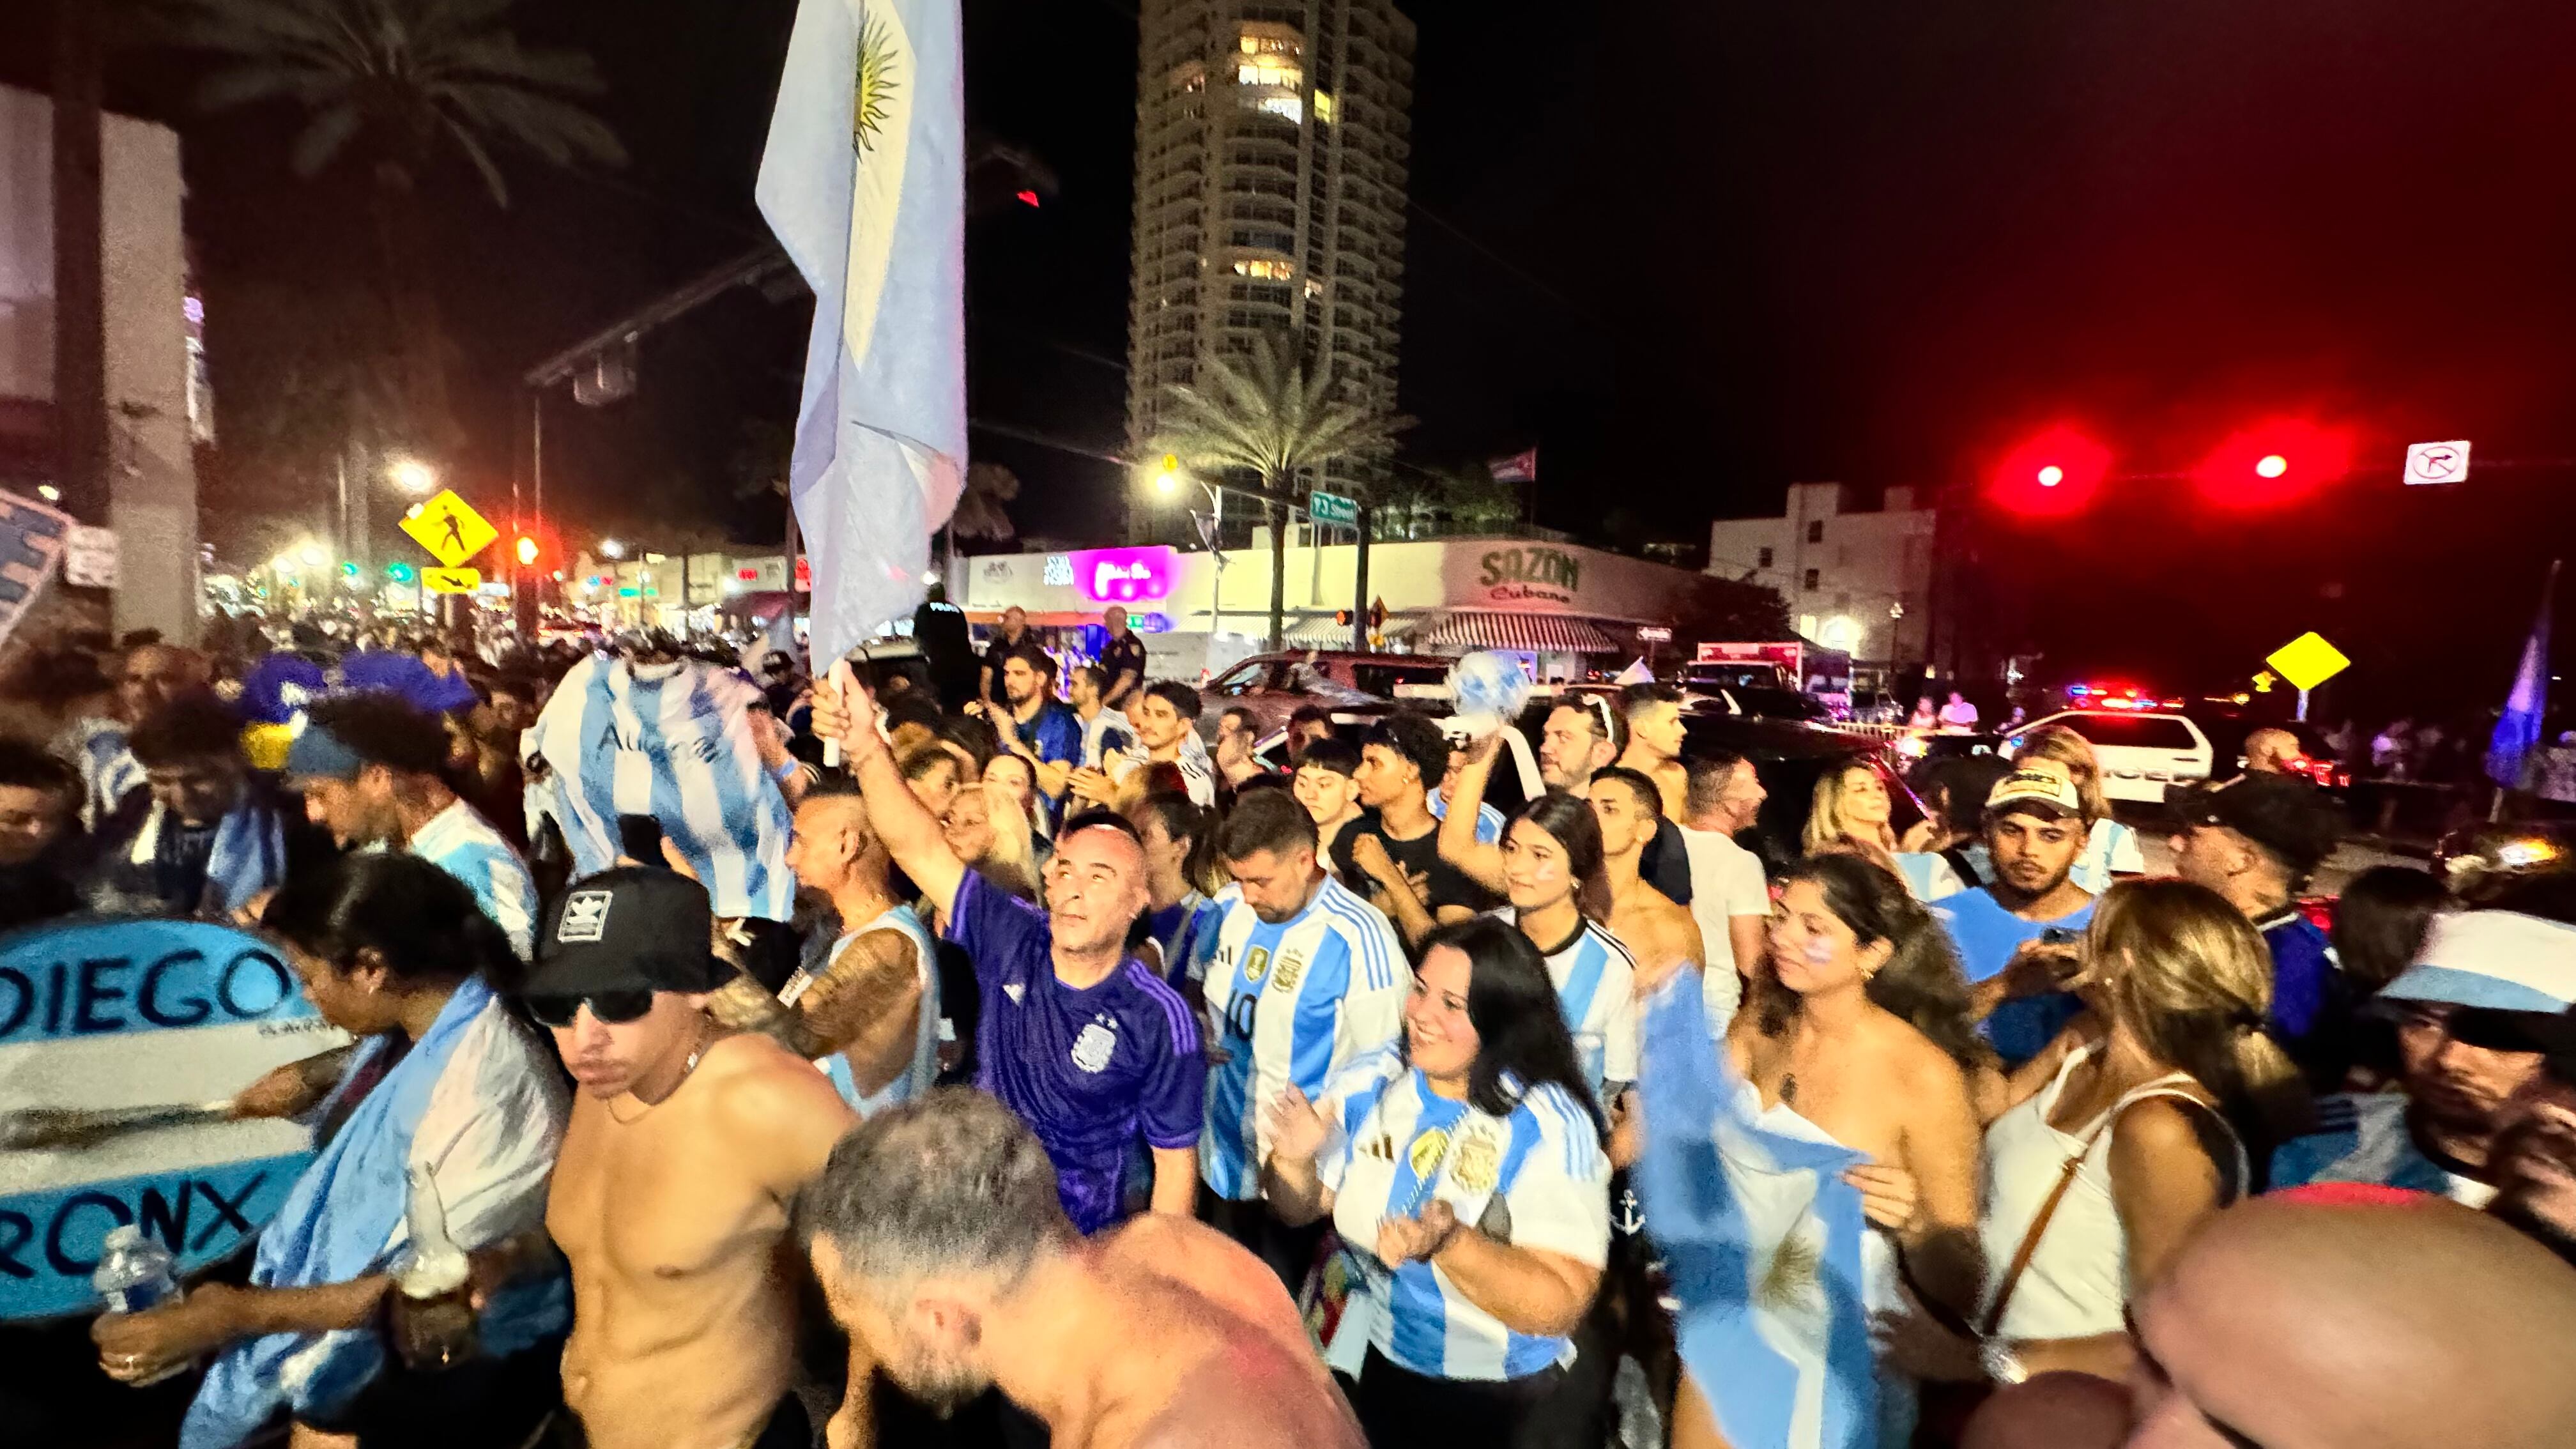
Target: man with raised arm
column 1077, row 1036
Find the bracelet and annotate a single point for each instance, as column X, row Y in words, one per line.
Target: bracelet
column 788, row 771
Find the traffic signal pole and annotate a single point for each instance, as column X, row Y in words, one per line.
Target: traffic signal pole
column 1360, row 596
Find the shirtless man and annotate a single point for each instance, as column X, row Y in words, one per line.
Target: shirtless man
column 1655, row 737
column 670, row 1199
column 941, row 1246
column 1661, row 935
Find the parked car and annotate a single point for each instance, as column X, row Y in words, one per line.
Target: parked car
column 2143, row 752
column 1275, row 686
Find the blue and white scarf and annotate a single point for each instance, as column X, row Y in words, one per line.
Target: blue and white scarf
column 341, row 1222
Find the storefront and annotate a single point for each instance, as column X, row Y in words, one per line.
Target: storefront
column 1565, row 610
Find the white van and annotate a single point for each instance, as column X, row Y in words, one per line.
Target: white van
column 2142, row 751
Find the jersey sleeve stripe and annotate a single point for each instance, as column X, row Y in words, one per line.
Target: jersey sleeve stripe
column 1176, row 1012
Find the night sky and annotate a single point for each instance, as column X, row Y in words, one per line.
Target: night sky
column 1693, row 252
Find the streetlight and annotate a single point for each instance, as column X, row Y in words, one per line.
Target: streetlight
column 412, row 476
column 313, row 556
column 611, row 548
column 49, row 493
column 1167, row 478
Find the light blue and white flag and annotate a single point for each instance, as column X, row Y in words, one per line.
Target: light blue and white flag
column 1763, row 1240
column 2517, row 731
column 864, row 182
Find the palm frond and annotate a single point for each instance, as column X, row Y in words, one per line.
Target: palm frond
column 324, row 138
column 493, row 183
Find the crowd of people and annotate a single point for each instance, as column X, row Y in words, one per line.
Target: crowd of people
column 981, row 1056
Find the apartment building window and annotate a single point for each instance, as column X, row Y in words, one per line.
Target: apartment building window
column 1809, row 583
column 1762, row 559
column 1815, row 530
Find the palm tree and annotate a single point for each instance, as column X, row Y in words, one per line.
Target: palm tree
column 398, row 83
column 1266, row 416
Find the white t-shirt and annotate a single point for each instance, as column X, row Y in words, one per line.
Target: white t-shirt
column 1726, row 882
column 1959, row 714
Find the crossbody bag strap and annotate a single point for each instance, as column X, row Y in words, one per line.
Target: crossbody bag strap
column 2039, row 1224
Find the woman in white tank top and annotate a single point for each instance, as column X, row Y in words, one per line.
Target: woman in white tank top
column 2124, row 1133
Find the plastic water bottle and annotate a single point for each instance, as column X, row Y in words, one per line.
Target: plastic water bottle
column 134, row 1274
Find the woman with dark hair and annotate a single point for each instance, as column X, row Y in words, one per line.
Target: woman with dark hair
column 1463, row 1167
column 445, row 1087
column 1180, row 875
column 1857, row 1039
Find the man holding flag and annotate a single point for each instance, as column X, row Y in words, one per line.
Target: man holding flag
column 864, row 183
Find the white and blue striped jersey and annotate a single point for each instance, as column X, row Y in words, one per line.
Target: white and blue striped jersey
column 1290, row 1003
column 462, row 843
column 1198, row 771
column 1535, row 1178
column 923, row 1069
column 673, row 741
column 1489, row 821
column 108, row 770
column 1595, row 980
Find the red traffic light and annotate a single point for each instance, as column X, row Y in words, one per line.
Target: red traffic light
column 2272, row 462
column 1026, row 197
column 2050, row 475
column 528, row 550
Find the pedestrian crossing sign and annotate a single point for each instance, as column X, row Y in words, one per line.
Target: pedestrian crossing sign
column 449, row 528
column 451, row 581
column 2308, row 661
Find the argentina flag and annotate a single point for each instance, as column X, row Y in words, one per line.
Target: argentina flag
column 1763, row 1241
column 2517, row 730
column 864, row 183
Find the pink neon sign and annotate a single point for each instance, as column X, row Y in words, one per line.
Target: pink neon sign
column 1123, row 575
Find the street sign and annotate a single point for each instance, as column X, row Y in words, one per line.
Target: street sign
column 450, row 529
column 1654, row 634
column 2437, row 462
column 451, row 581
column 2308, row 661
column 1333, row 508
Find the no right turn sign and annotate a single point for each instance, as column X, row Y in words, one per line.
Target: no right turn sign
column 2437, row 462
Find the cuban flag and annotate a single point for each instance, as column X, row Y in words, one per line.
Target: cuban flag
column 864, row 183
column 1520, row 467
column 2517, row 731
column 1763, row 1240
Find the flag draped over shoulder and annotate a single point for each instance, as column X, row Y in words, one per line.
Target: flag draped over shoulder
column 1763, row 1241
column 2517, row 731
column 864, row 183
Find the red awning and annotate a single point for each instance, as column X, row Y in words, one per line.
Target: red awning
column 1469, row 629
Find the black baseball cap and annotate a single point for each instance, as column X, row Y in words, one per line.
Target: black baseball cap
column 631, row 928
column 2288, row 817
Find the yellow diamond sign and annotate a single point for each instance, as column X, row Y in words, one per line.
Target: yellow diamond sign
column 449, row 528
column 2308, row 661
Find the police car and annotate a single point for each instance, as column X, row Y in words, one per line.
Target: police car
column 2142, row 751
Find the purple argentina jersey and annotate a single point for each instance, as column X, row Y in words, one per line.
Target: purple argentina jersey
column 1088, row 1070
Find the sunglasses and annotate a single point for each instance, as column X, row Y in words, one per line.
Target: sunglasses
column 613, row 1007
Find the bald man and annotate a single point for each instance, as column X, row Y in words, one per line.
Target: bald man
column 2385, row 1321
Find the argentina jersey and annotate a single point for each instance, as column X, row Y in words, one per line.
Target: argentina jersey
column 923, row 1068
column 1290, row 1003
column 1535, row 1178
column 1595, row 981
column 673, row 741
column 464, row 844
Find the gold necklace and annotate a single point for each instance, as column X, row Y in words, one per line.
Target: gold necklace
column 686, row 1069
